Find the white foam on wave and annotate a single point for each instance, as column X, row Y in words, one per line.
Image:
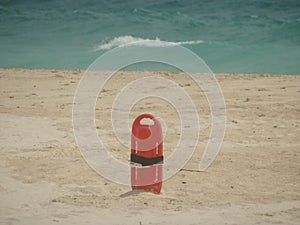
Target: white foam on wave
column 136, row 41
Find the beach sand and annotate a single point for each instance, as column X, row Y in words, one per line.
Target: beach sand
column 44, row 179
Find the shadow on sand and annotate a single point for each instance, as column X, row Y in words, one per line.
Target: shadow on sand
column 134, row 193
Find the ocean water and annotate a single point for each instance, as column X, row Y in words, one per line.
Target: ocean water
column 234, row 36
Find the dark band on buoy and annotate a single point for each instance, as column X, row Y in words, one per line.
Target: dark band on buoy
column 146, row 161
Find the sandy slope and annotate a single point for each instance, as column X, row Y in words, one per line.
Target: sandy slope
column 44, row 179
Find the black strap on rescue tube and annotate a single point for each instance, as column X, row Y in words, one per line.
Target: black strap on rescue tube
column 146, row 161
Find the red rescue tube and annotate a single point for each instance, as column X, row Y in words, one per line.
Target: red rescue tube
column 147, row 150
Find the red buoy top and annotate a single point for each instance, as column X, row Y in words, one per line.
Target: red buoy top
column 146, row 138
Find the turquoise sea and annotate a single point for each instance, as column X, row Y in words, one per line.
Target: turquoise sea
column 238, row 36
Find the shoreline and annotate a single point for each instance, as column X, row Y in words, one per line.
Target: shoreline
column 141, row 71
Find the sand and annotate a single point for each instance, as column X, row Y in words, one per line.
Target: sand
column 254, row 180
